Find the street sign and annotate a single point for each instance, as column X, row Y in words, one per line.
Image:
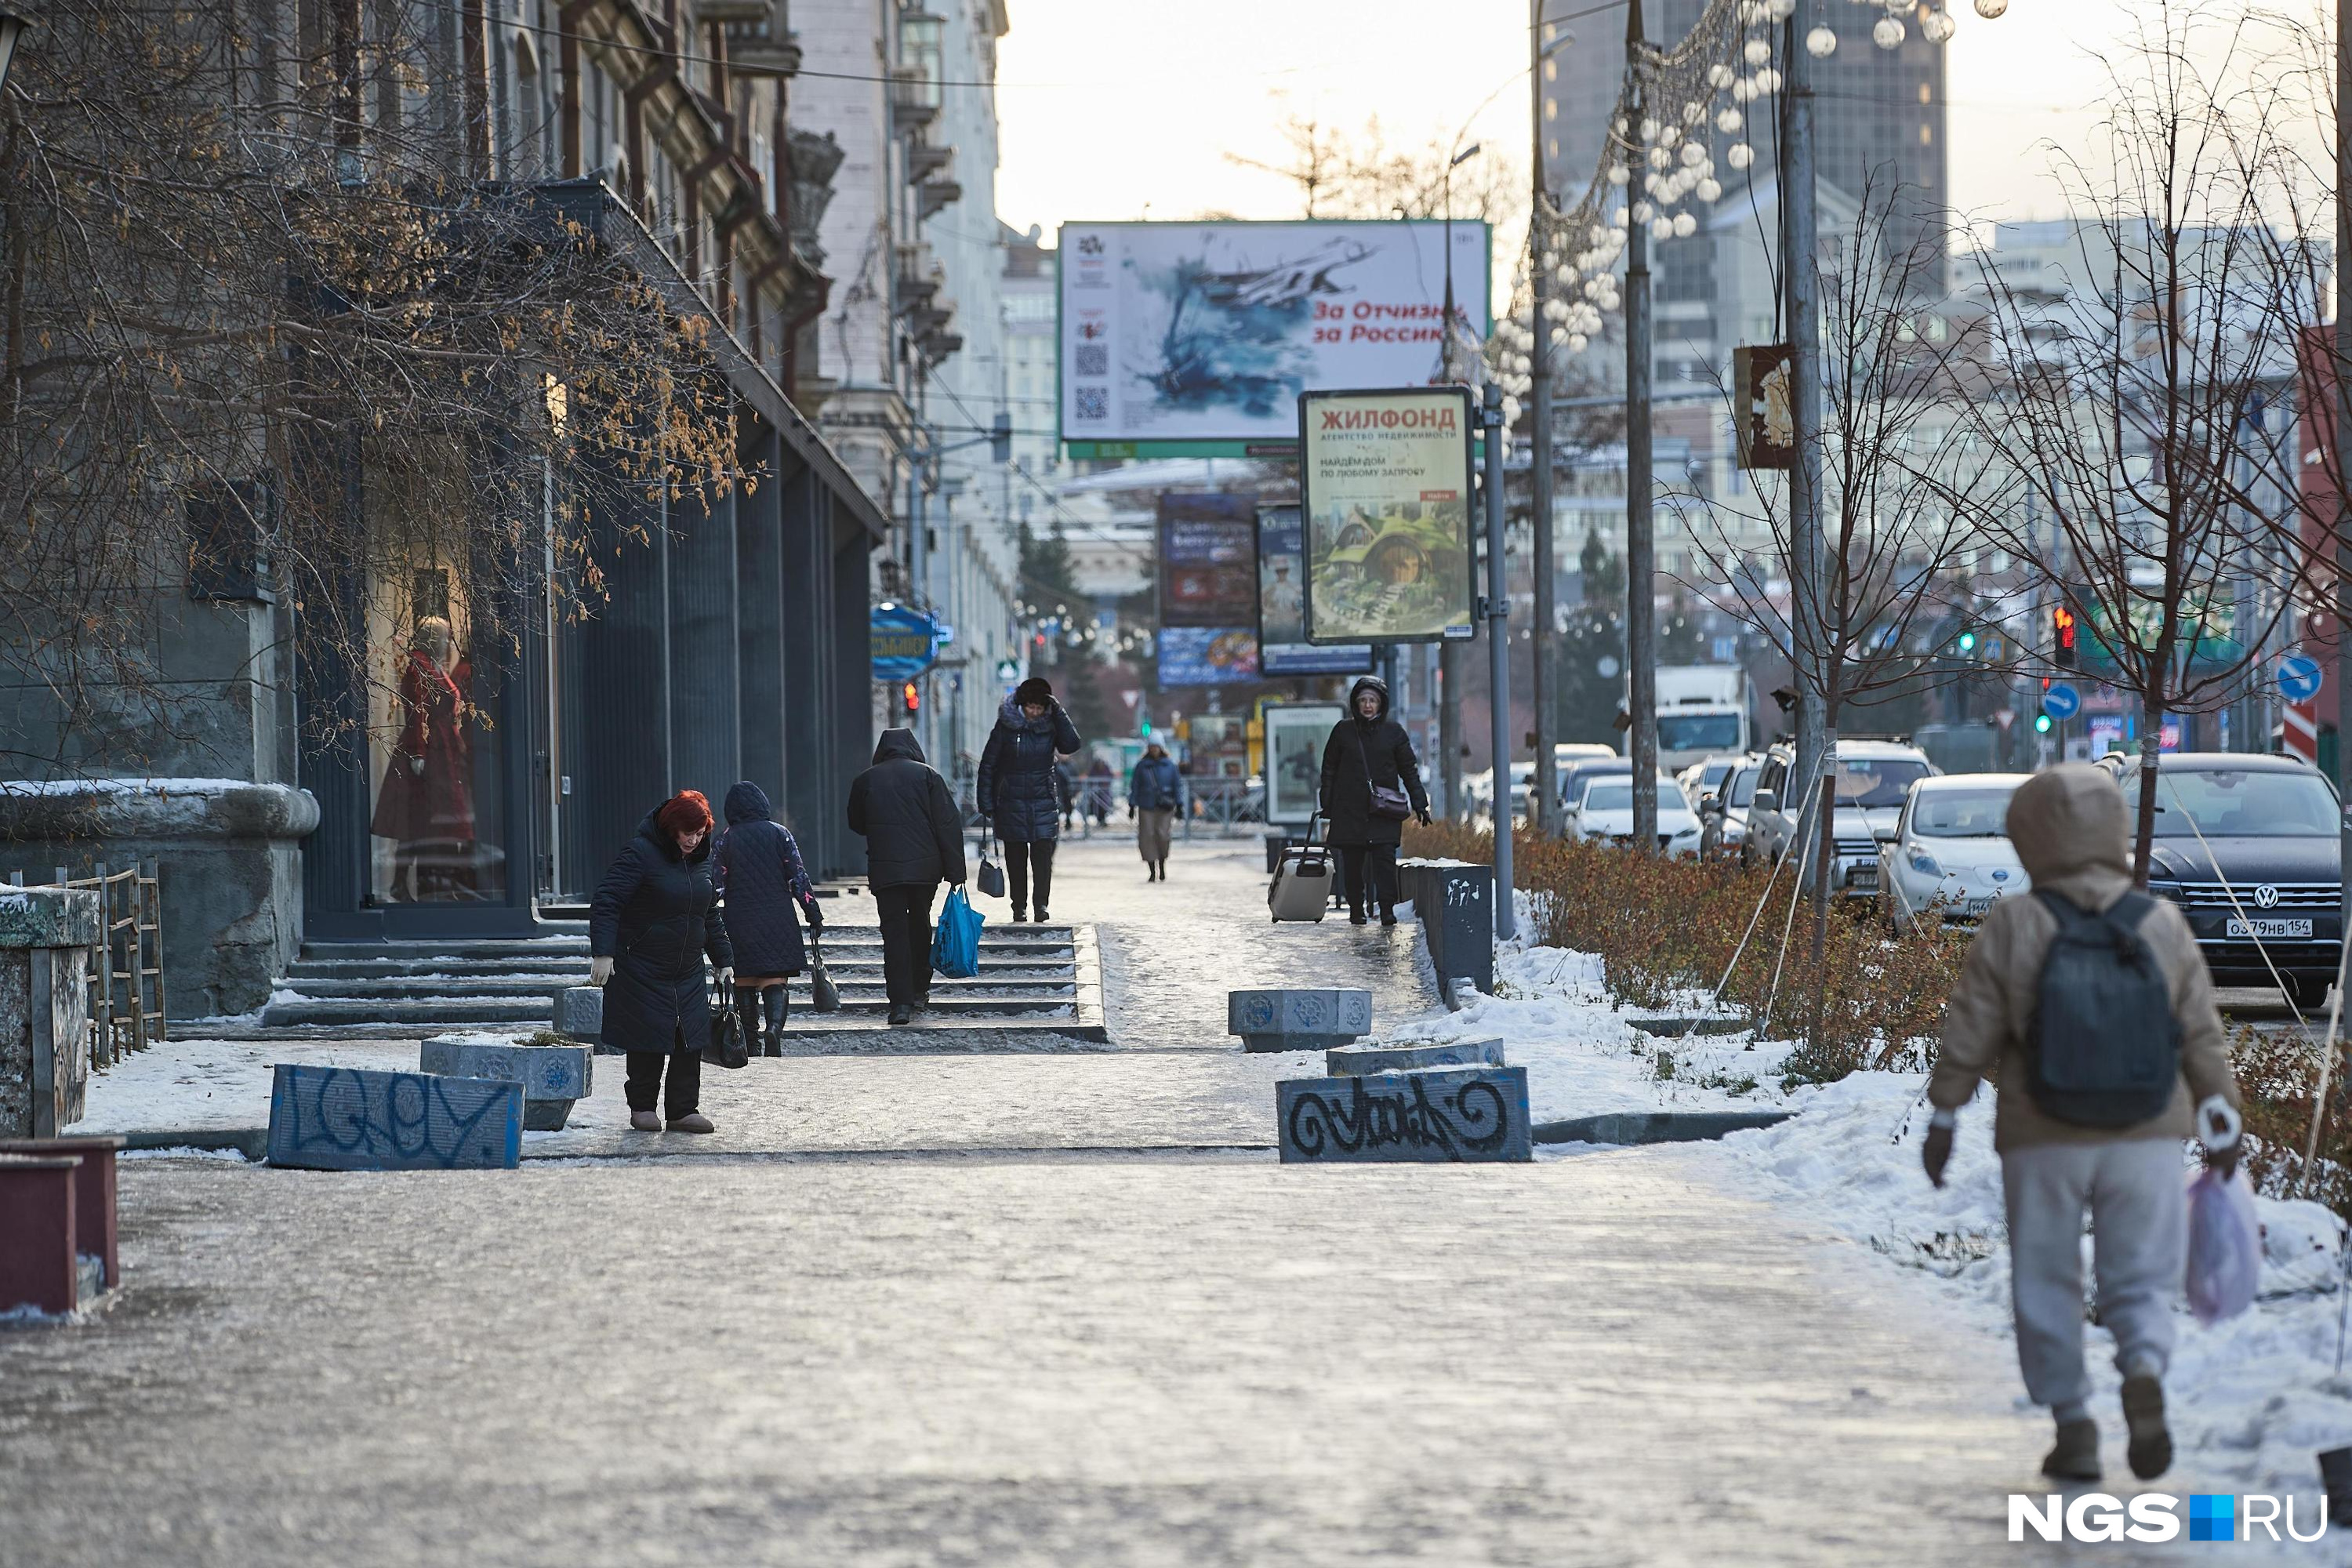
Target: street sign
column 2062, row 701
column 2299, row 678
column 902, row 642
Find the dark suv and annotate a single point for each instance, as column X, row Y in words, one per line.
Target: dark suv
column 2248, row 847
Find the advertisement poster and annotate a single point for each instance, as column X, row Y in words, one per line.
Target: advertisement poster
column 1384, row 485
column 1294, row 734
column 1209, row 332
column 1282, row 644
column 1206, row 655
column 1208, row 560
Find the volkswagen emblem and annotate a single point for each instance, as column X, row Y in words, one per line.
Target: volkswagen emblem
column 2000, row 874
column 2265, row 897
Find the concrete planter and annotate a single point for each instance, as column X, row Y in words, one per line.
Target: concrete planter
column 552, row 1077
column 1298, row 1020
column 47, row 939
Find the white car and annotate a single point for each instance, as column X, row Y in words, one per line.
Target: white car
column 1950, row 850
column 1603, row 812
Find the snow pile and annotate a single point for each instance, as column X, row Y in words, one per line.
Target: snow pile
column 162, row 788
column 1582, row 1058
column 2254, row 1399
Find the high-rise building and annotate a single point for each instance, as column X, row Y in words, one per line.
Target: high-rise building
column 1878, row 123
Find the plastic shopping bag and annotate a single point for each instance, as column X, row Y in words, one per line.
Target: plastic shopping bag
column 955, row 944
column 2225, row 1246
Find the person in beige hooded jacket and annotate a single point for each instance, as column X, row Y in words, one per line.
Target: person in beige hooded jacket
column 2069, row 825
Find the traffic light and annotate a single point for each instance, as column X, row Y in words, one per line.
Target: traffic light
column 912, row 696
column 1966, row 644
column 1147, row 726
column 1000, row 439
column 2061, row 637
column 2042, row 723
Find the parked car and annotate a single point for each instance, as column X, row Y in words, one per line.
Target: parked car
column 1951, row 850
column 1704, row 777
column 1603, row 811
column 2248, row 847
column 1573, row 774
column 1723, row 811
column 1873, row 777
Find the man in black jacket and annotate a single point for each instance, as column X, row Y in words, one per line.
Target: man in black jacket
column 914, row 841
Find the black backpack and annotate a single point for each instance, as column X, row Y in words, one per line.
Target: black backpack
column 2105, row 1047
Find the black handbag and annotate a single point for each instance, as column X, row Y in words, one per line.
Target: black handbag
column 821, row 987
column 990, row 880
column 727, row 1048
column 1389, row 803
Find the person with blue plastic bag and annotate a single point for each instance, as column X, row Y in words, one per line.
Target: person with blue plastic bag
column 955, row 945
column 914, row 841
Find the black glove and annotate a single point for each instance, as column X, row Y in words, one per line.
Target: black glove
column 1937, row 1152
column 1423, row 815
column 1130, row 811
column 2225, row 1160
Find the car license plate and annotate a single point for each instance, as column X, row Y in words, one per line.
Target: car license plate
column 1972, row 909
column 1863, row 877
column 2267, row 928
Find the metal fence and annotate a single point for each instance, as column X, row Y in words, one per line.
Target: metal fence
column 126, row 984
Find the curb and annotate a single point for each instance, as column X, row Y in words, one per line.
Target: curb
column 1636, row 1127
column 253, row 1143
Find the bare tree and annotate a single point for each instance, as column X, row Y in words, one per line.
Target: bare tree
column 246, row 258
column 2115, row 397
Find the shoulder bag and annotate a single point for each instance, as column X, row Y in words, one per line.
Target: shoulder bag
column 726, row 1048
column 1389, row 803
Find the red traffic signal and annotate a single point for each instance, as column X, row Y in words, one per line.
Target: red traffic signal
column 2061, row 637
column 912, row 696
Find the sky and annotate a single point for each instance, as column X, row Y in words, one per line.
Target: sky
column 1117, row 109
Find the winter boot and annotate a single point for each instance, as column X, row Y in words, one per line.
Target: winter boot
column 644, row 1121
column 1163, row 870
column 2075, row 1456
column 1043, row 918
column 692, row 1122
column 900, row 1014
column 2151, row 1444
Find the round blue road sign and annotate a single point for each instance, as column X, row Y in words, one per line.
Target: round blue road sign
column 2299, row 678
column 2062, row 701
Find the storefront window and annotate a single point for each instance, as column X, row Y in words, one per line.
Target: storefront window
column 434, row 818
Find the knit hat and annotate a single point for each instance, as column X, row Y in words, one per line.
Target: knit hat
column 1037, row 690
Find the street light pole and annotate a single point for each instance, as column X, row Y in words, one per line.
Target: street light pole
column 2343, row 442
column 1543, row 802
column 1641, row 600
column 1499, row 645
column 1799, row 244
column 1450, row 680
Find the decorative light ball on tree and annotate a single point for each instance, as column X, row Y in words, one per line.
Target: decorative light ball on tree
column 1710, row 190
column 1781, row 10
column 1758, row 52
column 1694, row 112
column 1694, row 154
column 1740, row 154
column 1768, row 80
column 1992, row 10
column 1649, row 129
column 1729, row 120
column 1576, row 342
column 1719, row 76
column 1642, row 211
column 1661, row 229
column 1684, row 225
column 1658, row 157
column 1668, row 135
column 1743, row 90
column 1617, row 175
column 1937, row 26
column 1565, row 273
column 1887, row 33
column 1822, row 43
column 1559, row 337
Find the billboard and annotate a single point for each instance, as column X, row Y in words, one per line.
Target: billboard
column 1206, row 655
column 1384, row 490
column 1202, row 334
column 1282, row 644
column 1294, row 736
column 902, row 642
column 1208, row 560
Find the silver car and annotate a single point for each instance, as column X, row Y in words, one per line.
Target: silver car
column 1950, row 850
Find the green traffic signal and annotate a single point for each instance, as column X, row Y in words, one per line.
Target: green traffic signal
column 1967, row 643
column 2042, row 723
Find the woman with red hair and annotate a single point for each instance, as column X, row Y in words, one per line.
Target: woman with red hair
column 654, row 921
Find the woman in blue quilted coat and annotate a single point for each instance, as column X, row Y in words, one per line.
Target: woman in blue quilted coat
column 761, row 879
column 1018, row 791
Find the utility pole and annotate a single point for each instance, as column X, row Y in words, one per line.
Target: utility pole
column 1543, row 803
column 2343, row 442
column 1498, row 644
column 1800, row 245
column 918, row 563
column 1640, row 599
column 1449, row 655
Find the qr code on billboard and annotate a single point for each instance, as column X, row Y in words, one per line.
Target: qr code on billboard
column 1094, row 403
column 1093, row 359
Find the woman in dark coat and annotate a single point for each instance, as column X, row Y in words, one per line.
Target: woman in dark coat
column 1368, row 748
column 914, row 841
column 761, row 879
column 1018, row 789
column 654, row 921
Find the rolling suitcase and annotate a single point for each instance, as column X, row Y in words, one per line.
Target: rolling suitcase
column 1301, row 889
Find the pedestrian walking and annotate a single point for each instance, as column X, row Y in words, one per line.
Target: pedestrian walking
column 654, row 921
column 1372, row 782
column 762, row 880
column 2092, row 1009
column 914, row 841
column 1098, row 787
column 1018, row 791
column 1155, row 794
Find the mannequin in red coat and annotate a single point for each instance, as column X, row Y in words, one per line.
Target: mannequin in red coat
column 426, row 804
